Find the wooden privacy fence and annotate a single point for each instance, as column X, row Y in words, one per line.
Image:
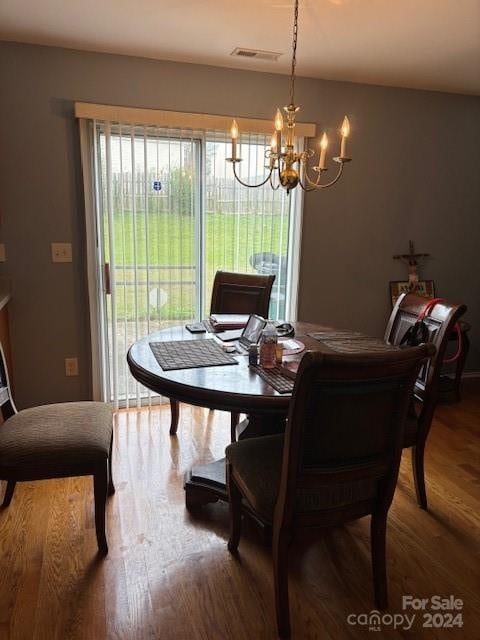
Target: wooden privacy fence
column 163, row 192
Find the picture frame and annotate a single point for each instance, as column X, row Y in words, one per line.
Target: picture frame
column 424, row 288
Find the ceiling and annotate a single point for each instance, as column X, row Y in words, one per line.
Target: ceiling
column 424, row 44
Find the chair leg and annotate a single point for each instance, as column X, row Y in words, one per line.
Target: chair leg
column 280, row 576
column 378, row 532
column 111, row 486
column 100, row 486
column 175, row 411
column 418, row 455
column 7, row 498
column 234, row 420
column 235, row 504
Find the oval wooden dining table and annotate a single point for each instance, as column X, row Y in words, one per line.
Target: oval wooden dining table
column 234, row 388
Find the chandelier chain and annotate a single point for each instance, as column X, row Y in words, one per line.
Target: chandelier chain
column 294, row 54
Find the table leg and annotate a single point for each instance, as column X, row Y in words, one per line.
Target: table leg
column 175, row 413
column 461, row 364
column 206, row 483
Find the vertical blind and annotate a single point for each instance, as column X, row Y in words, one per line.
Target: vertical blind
column 169, row 215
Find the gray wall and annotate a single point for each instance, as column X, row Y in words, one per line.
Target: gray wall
column 414, row 176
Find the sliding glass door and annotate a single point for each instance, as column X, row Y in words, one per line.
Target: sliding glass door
column 246, row 230
column 168, row 215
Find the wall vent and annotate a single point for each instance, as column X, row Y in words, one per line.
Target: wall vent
column 255, row 53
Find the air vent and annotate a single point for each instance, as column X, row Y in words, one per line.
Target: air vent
column 255, row 53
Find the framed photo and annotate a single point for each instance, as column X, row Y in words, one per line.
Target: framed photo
column 424, row 288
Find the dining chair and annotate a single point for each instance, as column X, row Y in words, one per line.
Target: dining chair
column 57, row 441
column 440, row 323
column 337, row 461
column 241, row 293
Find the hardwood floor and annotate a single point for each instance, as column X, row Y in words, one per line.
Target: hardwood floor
column 169, row 575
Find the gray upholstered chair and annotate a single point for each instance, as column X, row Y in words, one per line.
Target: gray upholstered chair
column 337, row 461
column 57, row 441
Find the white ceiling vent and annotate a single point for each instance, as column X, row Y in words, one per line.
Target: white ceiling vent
column 255, row 53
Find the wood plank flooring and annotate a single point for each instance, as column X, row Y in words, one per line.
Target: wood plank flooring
column 169, row 575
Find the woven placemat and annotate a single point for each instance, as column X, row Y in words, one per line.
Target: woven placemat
column 364, row 345
column 275, row 378
column 190, row 354
column 337, row 335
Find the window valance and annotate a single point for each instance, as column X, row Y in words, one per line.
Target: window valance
column 181, row 120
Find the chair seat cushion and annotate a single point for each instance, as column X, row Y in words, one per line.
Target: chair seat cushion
column 258, row 464
column 51, row 439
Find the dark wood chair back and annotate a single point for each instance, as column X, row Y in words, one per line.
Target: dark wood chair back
column 241, row 293
column 344, row 435
column 440, row 323
column 338, row 460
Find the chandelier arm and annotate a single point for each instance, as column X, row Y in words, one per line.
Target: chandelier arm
column 306, row 189
column 314, row 185
column 332, row 182
column 274, row 187
column 279, row 168
column 253, row 186
column 271, row 182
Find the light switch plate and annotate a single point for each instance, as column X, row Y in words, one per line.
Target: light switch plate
column 3, row 255
column 71, row 366
column 61, row 252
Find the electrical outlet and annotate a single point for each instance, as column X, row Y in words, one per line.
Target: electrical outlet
column 3, row 256
column 61, row 252
column 71, row 366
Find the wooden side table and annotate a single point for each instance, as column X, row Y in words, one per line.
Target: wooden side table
column 449, row 386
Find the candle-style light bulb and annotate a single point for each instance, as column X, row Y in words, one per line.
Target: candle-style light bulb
column 234, row 134
column 345, row 131
column 323, row 151
column 278, row 121
column 273, row 149
column 273, row 143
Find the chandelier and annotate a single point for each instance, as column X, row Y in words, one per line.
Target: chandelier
column 291, row 166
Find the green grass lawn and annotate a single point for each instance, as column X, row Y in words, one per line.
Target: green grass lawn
column 168, row 240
